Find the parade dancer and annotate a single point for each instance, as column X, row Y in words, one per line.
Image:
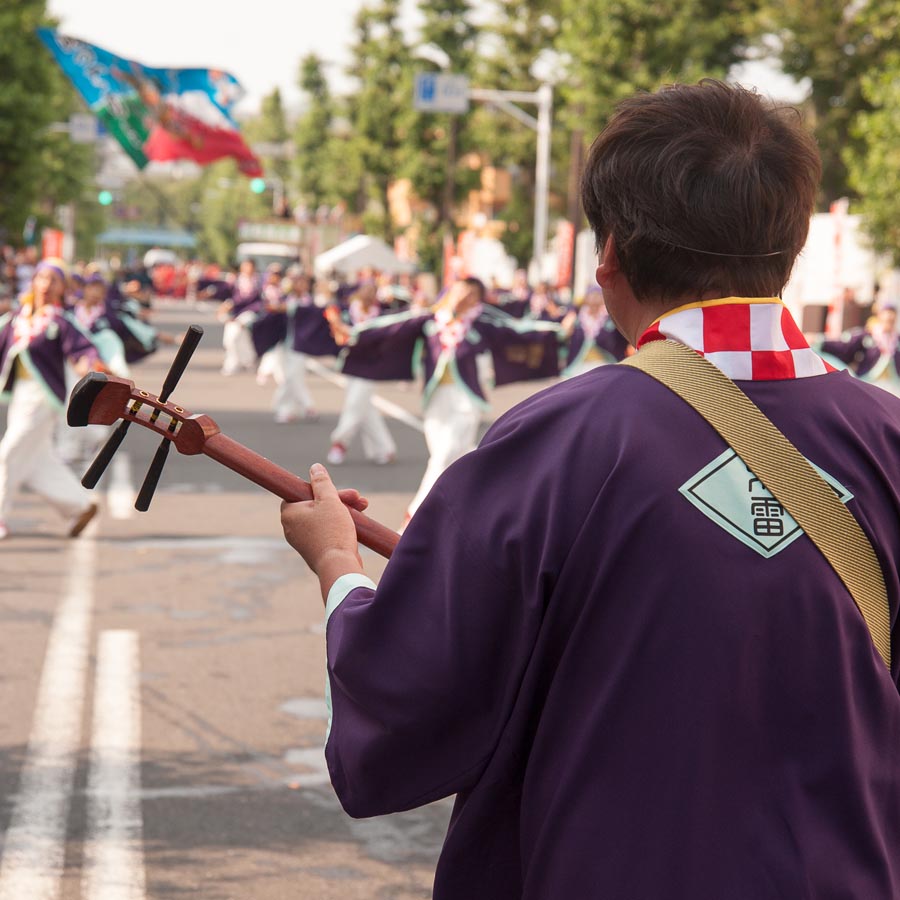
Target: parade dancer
column 592, row 338
column 269, row 329
column 137, row 339
column 358, row 415
column 544, row 306
column 515, row 302
column 36, row 342
column 239, row 313
column 308, row 334
column 871, row 353
column 453, row 342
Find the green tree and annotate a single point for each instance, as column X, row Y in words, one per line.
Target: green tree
column 873, row 156
column 378, row 107
column 612, row 49
column 270, row 127
column 435, row 142
column 210, row 205
column 39, row 170
column 833, row 44
column 316, row 161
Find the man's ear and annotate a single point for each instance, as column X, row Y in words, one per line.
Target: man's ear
column 609, row 263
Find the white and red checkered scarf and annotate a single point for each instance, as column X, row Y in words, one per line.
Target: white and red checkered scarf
column 749, row 339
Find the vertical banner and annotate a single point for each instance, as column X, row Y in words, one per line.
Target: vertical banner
column 834, row 322
column 52, row 243
column 466, row 252
column 448, row 273
column 565, row 253
column 156, row 114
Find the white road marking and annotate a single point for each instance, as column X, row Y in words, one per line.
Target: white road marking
column 113, row 852
column 121, row 493
column 386, row 406
column 34, row 846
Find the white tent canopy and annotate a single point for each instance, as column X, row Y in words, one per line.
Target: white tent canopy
column 358, row 253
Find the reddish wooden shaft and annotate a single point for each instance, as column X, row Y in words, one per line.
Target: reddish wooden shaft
column 290, row 487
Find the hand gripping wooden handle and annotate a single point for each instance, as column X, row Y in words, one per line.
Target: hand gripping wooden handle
column 292, row 488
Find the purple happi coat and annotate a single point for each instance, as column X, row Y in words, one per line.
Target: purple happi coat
column 139, row 339
column 246, row 296
column 859, row 351
column 398, row 347
column 268, row 330
column 308, row 329
column 43, row 354
column 631, row 699
column 605, row 338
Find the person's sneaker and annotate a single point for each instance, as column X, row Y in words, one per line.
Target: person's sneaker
column 384, row 459
column 82, row 519
column 311, row 415
column 4, row 531
column 284, row 418
column 337, row 454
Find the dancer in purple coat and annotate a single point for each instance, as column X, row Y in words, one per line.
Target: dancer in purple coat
column 359, row 415
column 36, row 343
column 238, row 314
column 871, row 353
column 638, row 675
column 592, row 338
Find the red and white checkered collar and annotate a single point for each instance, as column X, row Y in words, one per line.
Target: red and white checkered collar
column 749, row 339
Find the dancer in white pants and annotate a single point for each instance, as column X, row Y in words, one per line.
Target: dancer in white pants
column 36, row 342
column 451, row 423
column 239, row 313
column 359, row 416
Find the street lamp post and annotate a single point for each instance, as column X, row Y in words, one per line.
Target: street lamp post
column 543, row 98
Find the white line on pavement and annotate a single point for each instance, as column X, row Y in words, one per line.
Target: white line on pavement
column 121, row 493
column 113, row 853
column 386, row 406
column 34, row 846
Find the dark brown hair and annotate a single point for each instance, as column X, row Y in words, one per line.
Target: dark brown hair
column 692, row 171
column 478, row 284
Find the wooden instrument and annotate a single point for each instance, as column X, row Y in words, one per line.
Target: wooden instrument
column 100, row 399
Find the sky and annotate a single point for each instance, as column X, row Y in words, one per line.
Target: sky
column 261, row 45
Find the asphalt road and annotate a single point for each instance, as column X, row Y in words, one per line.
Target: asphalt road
column 162, row 677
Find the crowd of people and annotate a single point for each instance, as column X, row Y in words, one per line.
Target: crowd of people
column 459, row 342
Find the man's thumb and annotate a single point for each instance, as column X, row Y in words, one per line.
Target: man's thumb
column 322, row 486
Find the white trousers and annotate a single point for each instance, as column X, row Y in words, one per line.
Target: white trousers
column 360, row 417
column 27, row 456
column 451, row 430
column 292, row 397
column 239, row 352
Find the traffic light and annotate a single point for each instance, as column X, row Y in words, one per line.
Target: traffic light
column 257, row 185
column 105, row 198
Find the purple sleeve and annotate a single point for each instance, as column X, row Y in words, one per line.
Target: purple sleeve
column 524, row 352
column 423, row 671
column 845, row 349
column 75, row 344
column 385, row 349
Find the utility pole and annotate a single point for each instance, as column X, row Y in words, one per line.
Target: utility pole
column 576, row 164
column 543, row 125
